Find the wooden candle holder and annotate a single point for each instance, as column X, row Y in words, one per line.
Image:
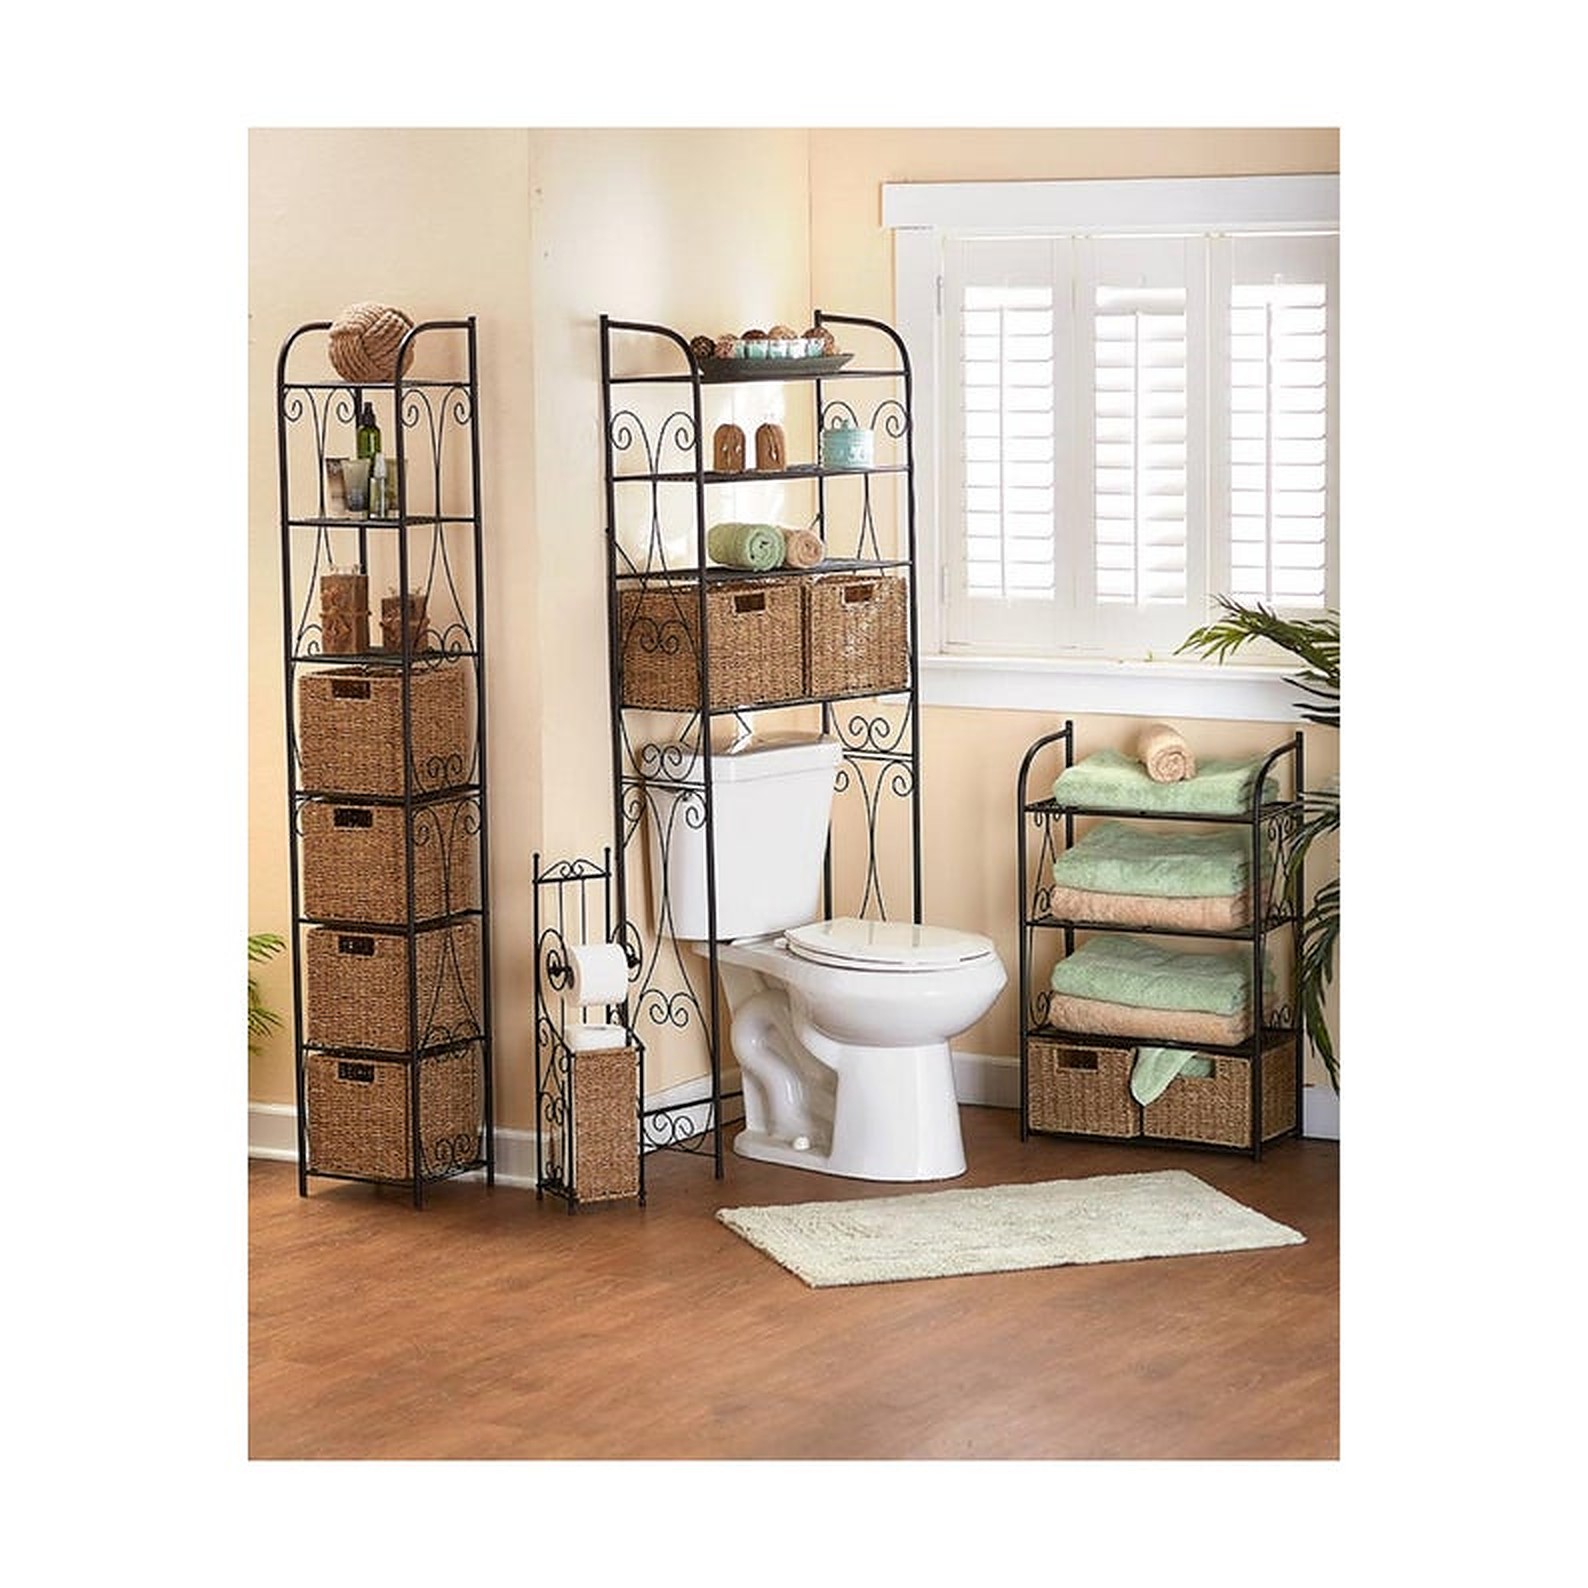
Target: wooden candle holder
column 391, row 622
column 727, row 448
column 771, row 449
column 344, row 613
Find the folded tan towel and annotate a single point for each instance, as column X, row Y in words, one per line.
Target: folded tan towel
column 802, row 548
column 1187, row 1028
column 1141, row 909
column 1166, row 756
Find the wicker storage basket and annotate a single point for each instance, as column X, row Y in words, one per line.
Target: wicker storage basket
column 350, row 729
column 1217, row 1108
column 1081, row 1090
column 606, row 1139
column 856, row 635
column 356, row 987
column 355, row 865
column 356, row 1114
column 755, row 633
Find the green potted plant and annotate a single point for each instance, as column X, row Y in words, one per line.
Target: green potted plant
column 1315, row 642
column 261, row 1020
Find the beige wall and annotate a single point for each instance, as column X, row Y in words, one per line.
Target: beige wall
column 537, row 233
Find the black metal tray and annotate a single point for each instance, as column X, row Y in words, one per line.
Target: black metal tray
column 770, row 368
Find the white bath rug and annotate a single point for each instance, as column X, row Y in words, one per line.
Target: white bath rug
column 998, row 1229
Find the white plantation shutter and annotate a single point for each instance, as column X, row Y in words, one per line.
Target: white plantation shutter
column 1008, row 333
column 1130, row 425
column 1145, row 374
column 1007, row 373
column 1138, row 444
column 1280, row 510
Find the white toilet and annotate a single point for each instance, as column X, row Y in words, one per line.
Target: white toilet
column 841, row 1027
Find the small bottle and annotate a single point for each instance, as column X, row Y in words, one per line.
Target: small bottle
column 377, row 486
column 368, row 433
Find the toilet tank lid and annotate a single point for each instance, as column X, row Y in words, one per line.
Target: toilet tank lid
column 771, row 755
column 880, row 943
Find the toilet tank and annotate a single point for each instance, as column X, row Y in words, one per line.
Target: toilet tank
column 772, row 800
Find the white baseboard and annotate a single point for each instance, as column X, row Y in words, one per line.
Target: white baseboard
column 273, row 1133
column 1320, row 1113
column 985, row 1080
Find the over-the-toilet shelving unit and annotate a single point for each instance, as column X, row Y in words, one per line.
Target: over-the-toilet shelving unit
column 1271, row 1108
column 389, row 868
column 660, row 409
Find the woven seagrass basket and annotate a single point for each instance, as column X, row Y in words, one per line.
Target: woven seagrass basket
column 606, row 1144
column 355, row 867
column 856, row 635
column 350, row 729
column 756, row 642
column 357, row 1115
column 356, row 987
column 1217, row 1108
column 1081, row 1090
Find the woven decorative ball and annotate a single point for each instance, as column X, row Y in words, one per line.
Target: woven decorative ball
column 364, row 342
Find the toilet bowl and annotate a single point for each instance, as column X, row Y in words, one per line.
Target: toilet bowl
column 841, row 1027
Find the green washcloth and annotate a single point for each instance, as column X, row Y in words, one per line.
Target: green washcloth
column 1154, row 1068
column 1123, row 970
column 1117, row 857
column 755, row 546
column 1112, row 781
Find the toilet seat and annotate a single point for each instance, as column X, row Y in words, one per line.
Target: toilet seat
column 851, row 944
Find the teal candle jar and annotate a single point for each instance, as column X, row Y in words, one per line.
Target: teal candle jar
column 847, row 446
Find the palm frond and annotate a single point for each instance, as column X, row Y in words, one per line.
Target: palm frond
column 1315, row 642
column 261, row 1021
column 1320, row 933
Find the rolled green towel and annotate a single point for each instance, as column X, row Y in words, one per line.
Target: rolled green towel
column 1109, row 780
column 1154, row 1068
column 1117, row 857
column 1122, row 970
column 758, row 547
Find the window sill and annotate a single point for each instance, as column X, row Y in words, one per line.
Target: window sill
column 1073, row 688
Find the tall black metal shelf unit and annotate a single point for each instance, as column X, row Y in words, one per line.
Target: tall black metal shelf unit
column 665, row 602
column 386, row 785
column 1254, row 1095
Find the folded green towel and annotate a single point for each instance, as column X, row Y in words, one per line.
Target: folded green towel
column 1112, row 781
column 1119, row 857
column 1123, row 970
column 1154, row 1068
column 756, row 546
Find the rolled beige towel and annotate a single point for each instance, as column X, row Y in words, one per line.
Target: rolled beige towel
column 802, row 548
column 1166, row 756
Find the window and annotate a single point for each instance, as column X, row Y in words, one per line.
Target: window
column 1127, row 405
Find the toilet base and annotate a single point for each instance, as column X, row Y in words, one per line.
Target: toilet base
column 763, row 1148
column 896, row 1119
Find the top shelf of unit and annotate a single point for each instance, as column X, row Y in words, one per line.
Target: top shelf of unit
column 797, row 471
column 1053, row 807
column 756, row 371
column 428, row 383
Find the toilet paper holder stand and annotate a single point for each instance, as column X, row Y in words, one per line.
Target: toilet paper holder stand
column 587, row 1149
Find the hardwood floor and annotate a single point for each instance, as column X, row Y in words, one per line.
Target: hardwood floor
column 492, row 1325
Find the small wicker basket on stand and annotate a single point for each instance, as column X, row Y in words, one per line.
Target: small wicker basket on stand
column 1217, row 1109
column 359, row 1121
column 1083, row 1090
column 350, row 729
column 756, row 644
column 856, row 635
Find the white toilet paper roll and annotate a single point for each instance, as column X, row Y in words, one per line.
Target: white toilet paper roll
column 600, row 973
column 588, row 1039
